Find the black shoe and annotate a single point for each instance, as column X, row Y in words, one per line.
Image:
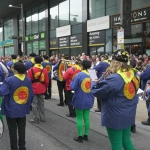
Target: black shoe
column 60, row 104
column 133, row 130
column 78, row 139
column 46, row 98
column 85, row 138
column 97, row 110
column 69, row 115
column 65, row 102
column 146, row 123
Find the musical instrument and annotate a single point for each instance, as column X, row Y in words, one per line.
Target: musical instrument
column 63, row 66
column 104, row 76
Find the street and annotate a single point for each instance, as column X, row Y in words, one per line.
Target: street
column 58, row 131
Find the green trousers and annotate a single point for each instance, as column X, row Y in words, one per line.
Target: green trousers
column 83, row 114
column 120, row 138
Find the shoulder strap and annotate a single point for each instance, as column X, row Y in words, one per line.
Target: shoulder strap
column 40, row 74
column 134, row 86
column 32, row 73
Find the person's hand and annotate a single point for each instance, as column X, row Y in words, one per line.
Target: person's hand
column 63, row 72
column 94, row 80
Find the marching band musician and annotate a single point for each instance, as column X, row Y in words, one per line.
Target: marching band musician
column 83, row 100
column 101, row 68
column 68, row 76
column 18, row 96
column 145, row 76
column 61, row 84
column 10, row 64
column 30, row 63
column 119, row 101
column 48, row 65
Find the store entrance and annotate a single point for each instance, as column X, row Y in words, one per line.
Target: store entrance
column 97, row 50
column 133, row 48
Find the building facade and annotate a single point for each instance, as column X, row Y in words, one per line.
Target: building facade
column 74, row 27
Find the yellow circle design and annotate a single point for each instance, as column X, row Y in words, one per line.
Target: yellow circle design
column 21, row 95
column 129, row 90
column 85, row 85
column 48, row 67
column 61, row 68
column 38, row 74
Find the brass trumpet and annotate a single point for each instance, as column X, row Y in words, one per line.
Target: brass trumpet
column 105, row 75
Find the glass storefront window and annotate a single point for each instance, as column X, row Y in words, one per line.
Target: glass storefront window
column 76, row 51
column 29, row 48
column 35, row 20
column 75, row 11
column 35, row 46
column 147, row 38
column 42, row 45
column 64, row 51
column 76, row 29
column 64, row 13
column 52, row 33
column 8, row 29
column 9, row 51
column 112, row 7
column 108, row 46
column 42, row 25
column 96, row 8
column 136, row 4
column 1, row 51
column 54, row 17
column 97, row 51
column 28, row 22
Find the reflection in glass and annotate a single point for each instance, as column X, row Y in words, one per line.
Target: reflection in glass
column 64, row 13
column 28, row 22
column 64, row 51
column 136, row 4
column 8, row 29
column 76, row 29
column 9, row 51
column 1, row 51
column 112, row 7
column 42, row 24
column 29, row 48
column 76, row 51
column 35, row 46
column 96, row 8
column 35, row 23
column 75, row 11
column 54, row 17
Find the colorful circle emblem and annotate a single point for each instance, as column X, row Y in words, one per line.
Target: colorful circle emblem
column 85, row 85
column 129, row 89
column 61, row 68
column 21, row 95
column 37, row 76
column 48, row 67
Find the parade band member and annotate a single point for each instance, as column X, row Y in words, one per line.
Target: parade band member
column 119, row 101
column 18, row 96
column 145, row 76
column 68, row 76
column 48, row 65
column 10, row 64
column 102, row 67
column 30, row 63
column 83, row 100
column 40, row 81
column 61, row 84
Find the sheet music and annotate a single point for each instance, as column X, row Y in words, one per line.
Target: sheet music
column 92, row 73
column 140, row 91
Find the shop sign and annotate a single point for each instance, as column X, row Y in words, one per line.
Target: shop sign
column 97, row 38
column 64, row 42
column 9, row 42
column 76, row 40
column 120, row 36
column 98, row 24
column 26, row 38
column 34, row 37
column 54, row 43
column 63, row 31
column 1, row 44
column 136, row 16
column 42, row 45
